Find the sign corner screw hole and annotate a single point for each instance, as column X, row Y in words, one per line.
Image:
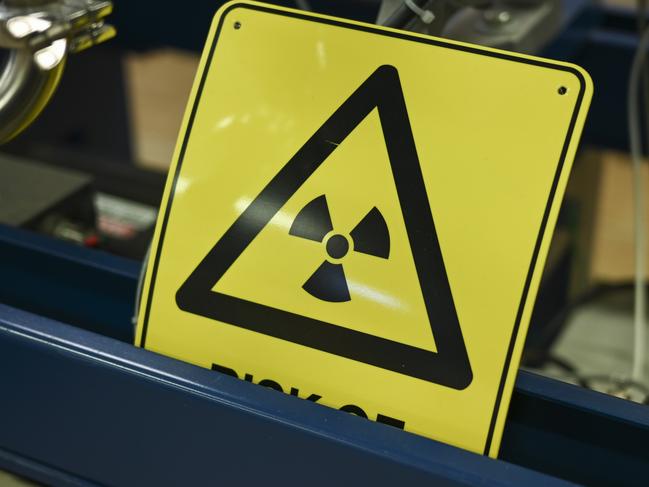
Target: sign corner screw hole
column 237, row 25
column 562, row 90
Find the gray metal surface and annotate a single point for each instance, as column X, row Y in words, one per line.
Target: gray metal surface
column 28, row 189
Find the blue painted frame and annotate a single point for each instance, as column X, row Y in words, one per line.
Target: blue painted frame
column 97, row 409
column 78, row 406
column 74, row 391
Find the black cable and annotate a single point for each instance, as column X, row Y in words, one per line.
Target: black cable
column 303, row 5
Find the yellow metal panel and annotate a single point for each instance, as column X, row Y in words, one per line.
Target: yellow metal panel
column 463, row 152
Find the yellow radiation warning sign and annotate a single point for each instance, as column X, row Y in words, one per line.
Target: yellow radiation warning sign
column 360, row 216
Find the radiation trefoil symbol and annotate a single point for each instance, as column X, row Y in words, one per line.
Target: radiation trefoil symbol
column 370, row 237
column 447, row 366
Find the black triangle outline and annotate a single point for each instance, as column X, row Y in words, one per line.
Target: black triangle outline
column 450, row 365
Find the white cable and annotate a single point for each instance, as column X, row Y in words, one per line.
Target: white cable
column 639, row 312
column 426, row 16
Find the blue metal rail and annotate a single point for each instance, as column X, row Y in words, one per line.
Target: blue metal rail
column 82, row 404
column 98, row 409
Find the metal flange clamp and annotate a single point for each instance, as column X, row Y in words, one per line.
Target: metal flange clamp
column 36, row 36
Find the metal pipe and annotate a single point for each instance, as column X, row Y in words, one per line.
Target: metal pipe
column 35, row 37
column 25, row 90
